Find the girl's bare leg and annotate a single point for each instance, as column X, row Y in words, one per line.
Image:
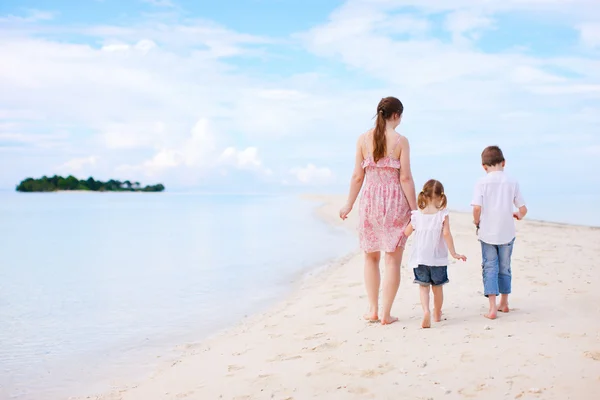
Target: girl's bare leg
column 438, row 301
column 372, row 280
column 391, row 284
column 424, row 292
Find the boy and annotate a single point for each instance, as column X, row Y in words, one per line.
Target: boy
column 493, row 213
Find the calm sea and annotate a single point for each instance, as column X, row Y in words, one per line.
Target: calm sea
column 95, row 286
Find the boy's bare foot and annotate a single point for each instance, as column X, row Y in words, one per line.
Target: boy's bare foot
column 491, row 315
column 503, row 308
column 437, row 315
column 426, row 321
column 388, row 320
column 371, row 317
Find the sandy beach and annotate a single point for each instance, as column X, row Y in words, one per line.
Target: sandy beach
column 315, row 344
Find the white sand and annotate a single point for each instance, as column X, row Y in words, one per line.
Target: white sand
column 316, row 345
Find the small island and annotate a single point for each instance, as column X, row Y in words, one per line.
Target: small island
column 58, row 183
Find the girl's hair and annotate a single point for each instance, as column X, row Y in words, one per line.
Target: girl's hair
column 386, row 108
column 430, row 189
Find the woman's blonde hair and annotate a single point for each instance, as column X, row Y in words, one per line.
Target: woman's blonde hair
column 430, row 189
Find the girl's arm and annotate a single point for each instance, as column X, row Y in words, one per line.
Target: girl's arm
column 406, row 178
column 450, row 241
column 409, row 230
column 356, row 182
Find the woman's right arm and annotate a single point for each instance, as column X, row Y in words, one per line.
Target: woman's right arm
column 356, row 182
column 406, row 179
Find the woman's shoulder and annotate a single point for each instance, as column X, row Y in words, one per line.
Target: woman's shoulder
column 402, row 140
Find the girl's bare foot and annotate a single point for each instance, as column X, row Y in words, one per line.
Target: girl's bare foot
column 437, row 315
column 426, row 321
column 371, row 317
column 503, row 308
column 388, row 320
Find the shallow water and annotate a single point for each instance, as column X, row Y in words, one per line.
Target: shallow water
column 95, row 285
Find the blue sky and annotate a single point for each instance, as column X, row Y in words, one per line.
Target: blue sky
column 270, row 95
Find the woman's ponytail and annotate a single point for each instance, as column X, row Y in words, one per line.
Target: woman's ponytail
column 386, row 109
column 379, row 141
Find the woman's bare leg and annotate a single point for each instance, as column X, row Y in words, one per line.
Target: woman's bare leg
column 391, row 284
column 372, row 281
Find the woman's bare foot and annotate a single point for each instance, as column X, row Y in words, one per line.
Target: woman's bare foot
column 437, row 315
column 388, row 320
column 371, row 317
column 426, row 321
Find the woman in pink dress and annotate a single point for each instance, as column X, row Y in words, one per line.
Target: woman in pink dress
column 382, row 166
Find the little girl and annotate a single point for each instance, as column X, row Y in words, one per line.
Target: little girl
column 433, row 238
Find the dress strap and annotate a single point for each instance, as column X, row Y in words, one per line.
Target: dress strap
column 395, row 145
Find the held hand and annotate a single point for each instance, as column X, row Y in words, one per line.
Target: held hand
column 344, row 211
column 517, row 216
column 459, row 257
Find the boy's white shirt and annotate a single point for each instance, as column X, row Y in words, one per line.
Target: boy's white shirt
column 497, row 194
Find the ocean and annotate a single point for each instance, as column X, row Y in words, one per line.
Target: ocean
column 95, row 286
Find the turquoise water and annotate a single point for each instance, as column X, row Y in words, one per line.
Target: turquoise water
column 94, row 286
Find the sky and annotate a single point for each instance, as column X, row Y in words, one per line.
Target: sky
column 271, row 95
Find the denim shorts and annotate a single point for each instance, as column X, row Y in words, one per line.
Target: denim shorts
column 426, row 275
column 496, row 269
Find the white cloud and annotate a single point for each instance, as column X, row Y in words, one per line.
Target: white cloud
column 312, row 175
column 31, row 16
column 132, row 100
column 77, row 164
column 590, row 34
column 159, row 3
column 244, row 159
column 464, row 25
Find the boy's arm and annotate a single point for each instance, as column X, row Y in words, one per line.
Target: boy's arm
column 450, row 241
column 519, row 202
column 476, row 215
column 477, row 202
column 519, row 215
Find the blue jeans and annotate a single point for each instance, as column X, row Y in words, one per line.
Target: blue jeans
column 496, row 271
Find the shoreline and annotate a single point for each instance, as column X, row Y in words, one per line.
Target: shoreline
column 313, row 343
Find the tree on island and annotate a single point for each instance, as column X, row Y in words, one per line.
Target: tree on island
column 58, row 183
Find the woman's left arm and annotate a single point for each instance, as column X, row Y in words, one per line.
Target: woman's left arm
column 356, row 182
column 406, row 178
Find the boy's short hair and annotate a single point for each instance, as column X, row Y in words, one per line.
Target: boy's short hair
column 492, row 155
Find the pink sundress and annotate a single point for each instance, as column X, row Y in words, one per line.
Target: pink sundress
column 384, row 211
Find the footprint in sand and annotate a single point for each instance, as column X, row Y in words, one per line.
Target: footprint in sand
column 326, row 346
column 336, row 311
column 184, row 395
column 473, row 393
column 594, row 355
column 359, row 390
column 284, row 357
column 466, row 357
column 380, row 370
column 315, row 336
column 234, row 367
